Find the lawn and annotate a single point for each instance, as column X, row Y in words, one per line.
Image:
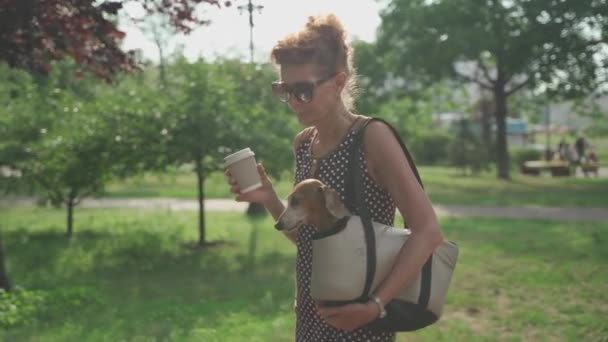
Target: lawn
column 444, row 185
column 131, row 275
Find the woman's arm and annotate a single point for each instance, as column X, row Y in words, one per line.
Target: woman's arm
column 389, row 167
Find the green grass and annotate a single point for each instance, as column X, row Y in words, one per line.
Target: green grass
column 449, row 186
column 600, row 146
column 129, row 275
column 444, row 185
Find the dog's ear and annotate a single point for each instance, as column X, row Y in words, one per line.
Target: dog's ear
column 334, row 204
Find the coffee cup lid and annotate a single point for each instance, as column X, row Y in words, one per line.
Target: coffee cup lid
column 239, row 155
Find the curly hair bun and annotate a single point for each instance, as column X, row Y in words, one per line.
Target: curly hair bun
column 322, row 42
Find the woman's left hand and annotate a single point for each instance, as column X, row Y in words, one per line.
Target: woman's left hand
column 349, row 317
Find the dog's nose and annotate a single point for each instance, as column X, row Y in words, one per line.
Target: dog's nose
column 279, row 225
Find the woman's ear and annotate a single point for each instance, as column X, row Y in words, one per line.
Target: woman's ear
column 334, row 204
column 340, row 80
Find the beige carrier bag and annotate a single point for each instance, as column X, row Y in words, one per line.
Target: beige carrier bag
column 350, row 262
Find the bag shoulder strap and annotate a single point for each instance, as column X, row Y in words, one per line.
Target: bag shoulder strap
column 408, row 155
column 356, row 178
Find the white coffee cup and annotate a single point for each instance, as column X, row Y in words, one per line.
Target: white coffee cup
column 243, row 168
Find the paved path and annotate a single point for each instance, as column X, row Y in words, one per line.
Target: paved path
column 561, row 214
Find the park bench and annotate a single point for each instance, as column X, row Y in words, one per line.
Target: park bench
column 557, row 168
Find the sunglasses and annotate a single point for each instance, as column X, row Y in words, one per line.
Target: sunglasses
column 302, row 90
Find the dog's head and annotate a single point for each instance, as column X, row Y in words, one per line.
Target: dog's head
column 312, row 202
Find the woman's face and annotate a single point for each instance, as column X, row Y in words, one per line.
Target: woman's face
column 325, row 95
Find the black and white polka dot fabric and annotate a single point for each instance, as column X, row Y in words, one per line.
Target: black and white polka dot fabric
column 332, row 170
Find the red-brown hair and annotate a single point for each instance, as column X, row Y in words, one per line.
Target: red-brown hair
column 323, row 42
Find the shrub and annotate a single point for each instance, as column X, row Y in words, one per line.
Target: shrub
column 467, row 151
column 430, row 148
column 520, row 155
column 19, row 306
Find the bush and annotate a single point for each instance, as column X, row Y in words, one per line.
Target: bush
column 466, row 150
column 430, row 148
column 521, row 154
column 22, row 307
column 19, row 307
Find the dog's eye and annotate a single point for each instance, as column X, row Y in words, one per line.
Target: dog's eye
column 293, row 202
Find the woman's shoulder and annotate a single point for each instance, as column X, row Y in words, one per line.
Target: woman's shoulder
column 377, row 131
column 304, row 135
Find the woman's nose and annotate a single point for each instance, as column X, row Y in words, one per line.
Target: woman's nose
column 295, row 104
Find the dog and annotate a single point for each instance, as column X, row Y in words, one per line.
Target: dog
column 340, row 263
column 312, row 202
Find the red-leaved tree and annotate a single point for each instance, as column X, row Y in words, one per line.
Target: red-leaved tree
column 33, row 33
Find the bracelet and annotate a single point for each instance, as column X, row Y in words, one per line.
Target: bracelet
column 378, row 302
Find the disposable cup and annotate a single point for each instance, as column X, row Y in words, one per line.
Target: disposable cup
column 243, row 167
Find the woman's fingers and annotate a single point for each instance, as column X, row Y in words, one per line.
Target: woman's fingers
column 262, row 173
column 231, row 180
column 327, row 312
column 235, row 189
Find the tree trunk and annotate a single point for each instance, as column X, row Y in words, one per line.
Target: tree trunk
column 162, row 64
column 201, row 202
column 256, row 210
column 70, row 216
column 502, row 154
column 4, row 283
column 487, row 111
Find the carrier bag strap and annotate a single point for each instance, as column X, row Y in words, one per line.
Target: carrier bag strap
column 356, row 178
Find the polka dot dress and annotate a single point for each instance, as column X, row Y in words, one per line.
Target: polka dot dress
column 332, row 170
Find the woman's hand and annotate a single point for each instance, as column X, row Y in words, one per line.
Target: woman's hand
column 262, row 195
column 351, row 316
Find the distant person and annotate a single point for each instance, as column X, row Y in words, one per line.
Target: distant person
column 570, row 154
column 593, row 157
column 562, row 148
column 592, row 164
column 581, row 145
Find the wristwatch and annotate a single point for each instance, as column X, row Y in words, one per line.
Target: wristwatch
column 378, row 302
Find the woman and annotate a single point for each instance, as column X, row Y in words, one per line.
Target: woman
column 317, row 79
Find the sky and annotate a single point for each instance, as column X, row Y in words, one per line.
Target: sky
column 228, row 34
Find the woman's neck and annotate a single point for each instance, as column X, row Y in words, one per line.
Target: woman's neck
column 333, row 127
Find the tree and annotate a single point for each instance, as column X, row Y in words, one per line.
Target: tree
column 218, row 108
column 269, row 126
column 466, row 150
column 503, row 46
column 199, row 126
column 68, row 136
column 33, row 33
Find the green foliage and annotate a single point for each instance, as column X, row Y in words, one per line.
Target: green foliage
column 500, row 46
column 521, row 155
column 431, row 147
column 591, row 109
column 68, row 136
column 538, row 39
column 467, row 151
column 221, row 107
column 19, row 307
column 262, row 122
column 57, row 136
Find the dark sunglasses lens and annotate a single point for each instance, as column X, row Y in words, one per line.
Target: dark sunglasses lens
column 303, row 91
column 280, row 91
